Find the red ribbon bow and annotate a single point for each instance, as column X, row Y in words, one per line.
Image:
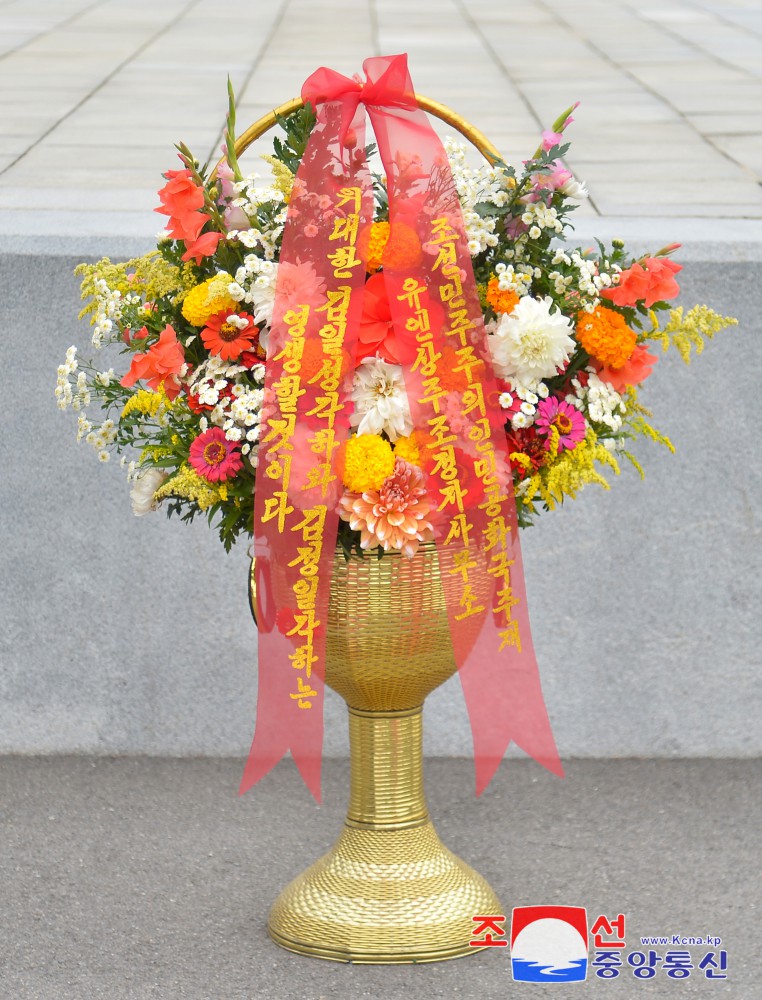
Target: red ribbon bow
column 433, row 298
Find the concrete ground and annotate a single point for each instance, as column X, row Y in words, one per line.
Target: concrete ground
column 129, row 879
column 668, row 135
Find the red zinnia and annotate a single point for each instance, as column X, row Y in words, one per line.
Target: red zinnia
column 214, row 457
column 526, row 441
column 228, row 340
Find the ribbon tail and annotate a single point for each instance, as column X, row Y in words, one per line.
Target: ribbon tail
column 514, row 712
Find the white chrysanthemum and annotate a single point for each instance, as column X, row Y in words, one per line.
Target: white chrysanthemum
column 380, row 400
column 531, row 342
column 141, row 494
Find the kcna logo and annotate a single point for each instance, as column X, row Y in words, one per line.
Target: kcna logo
column 549, row 944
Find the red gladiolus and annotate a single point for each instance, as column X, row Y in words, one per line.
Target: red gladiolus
column 161, row 362
column 204, row 246
column 632, row 372
column 651, row 280
column 181, row 198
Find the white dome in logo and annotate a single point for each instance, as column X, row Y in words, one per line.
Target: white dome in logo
column 551, row 942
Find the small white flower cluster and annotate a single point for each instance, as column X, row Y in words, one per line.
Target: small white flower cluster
column 63, row 386
column 254, row 284
column 514, row 278
column 98, row 438
column 250, row 199
column 484, row 184
column 538, row 216
column 530, row 394
column 584, row 277
column 602, row 403
column 110, row 304
column 133, row 468
column 235, row 407
column 244, row 417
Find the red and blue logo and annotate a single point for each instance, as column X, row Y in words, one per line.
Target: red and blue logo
column 549, row 944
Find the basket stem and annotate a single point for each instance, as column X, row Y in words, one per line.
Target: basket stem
column 386, row 751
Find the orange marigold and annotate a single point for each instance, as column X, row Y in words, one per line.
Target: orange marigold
column 403, row 248
column 450, row 378
column 313, row 363
column 501, row 301
column 606, row 337
column 397, row 249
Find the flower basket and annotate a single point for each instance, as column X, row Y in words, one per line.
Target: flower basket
column 380, row 379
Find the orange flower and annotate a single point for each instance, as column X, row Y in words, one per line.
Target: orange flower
column 501, row 301
column 159, row 364
column 228, row 340
column 314, row 362
column 605, row 336
column 403, row 248
column 371, row 243
column 394, row 516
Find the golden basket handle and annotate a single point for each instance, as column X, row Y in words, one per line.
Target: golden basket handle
column 441, row 111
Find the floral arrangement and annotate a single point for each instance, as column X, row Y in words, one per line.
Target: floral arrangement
column 572, row 335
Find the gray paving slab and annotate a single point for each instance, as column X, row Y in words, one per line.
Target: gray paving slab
column 129, row 879
column 124, row 83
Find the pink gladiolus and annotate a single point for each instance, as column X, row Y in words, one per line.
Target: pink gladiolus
column 551, row 139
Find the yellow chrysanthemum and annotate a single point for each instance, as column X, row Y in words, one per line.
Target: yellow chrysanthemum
column 606, row 337
column 377, row 240
column 407, row 448
column 208, row 298
column 501, row 301
column 367, row 461
column 396, row 249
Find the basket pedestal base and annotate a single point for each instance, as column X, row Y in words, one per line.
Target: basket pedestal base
column 389, row 891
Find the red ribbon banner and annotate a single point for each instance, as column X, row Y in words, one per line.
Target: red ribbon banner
column 439, row 329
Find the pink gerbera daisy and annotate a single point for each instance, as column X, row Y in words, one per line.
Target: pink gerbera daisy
column 567, row 420
column 214, row 457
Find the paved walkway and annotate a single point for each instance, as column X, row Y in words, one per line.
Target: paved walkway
column 143, row 878
column 93, row 95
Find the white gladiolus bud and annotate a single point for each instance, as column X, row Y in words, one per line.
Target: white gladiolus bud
column 142, row 493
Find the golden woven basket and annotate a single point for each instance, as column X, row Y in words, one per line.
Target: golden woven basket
column 388, row 891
